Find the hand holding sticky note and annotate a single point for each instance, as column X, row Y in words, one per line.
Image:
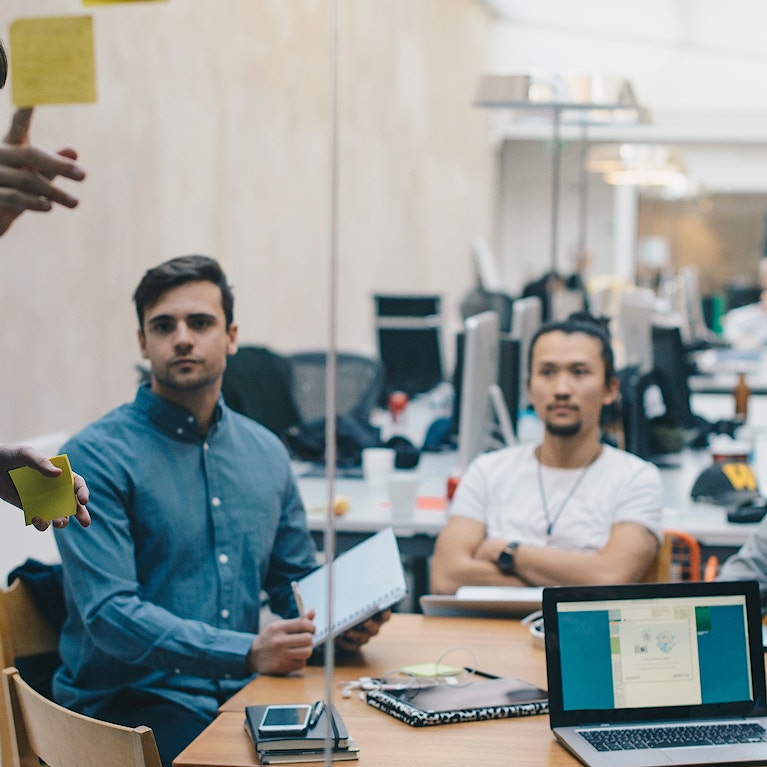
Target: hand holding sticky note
column 46, row 497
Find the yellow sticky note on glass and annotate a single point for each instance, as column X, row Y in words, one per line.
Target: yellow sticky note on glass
column 52, row 60
column 115, row 2
column 46, row 497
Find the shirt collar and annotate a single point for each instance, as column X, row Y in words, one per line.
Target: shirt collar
column 173, row 419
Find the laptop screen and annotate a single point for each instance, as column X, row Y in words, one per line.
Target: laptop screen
column 653, row 651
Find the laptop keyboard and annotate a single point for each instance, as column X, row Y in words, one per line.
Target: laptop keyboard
column 630, row 738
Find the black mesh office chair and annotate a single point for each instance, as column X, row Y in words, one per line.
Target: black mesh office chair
column 359, row 382
column 257, row 383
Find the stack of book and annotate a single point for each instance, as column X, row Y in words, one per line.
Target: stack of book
column 308, row 746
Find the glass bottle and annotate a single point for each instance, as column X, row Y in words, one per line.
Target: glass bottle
column 741, row 393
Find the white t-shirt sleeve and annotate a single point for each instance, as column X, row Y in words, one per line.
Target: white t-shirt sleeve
column 641, row 499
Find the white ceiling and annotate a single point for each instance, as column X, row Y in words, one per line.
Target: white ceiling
column 700, row 66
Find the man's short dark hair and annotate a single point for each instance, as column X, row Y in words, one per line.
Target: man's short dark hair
column 179, row 271
column 580, row 322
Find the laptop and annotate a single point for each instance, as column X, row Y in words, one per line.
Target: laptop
column 484, row 601
column 657, row 673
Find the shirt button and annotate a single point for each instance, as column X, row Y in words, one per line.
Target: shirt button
column 223, row 558
column 190, row 419
column 227, row 676
column 176, row 670
column 216, row 501
column 225, row 614
column 180, row 430
column 205, row 446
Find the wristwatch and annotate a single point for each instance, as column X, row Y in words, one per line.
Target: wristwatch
column 505, row 561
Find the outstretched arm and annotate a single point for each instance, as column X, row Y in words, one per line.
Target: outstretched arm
column 26, row 173
column 16, row 456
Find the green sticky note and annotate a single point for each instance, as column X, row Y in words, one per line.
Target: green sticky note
column 46, row 497
column 431, row 669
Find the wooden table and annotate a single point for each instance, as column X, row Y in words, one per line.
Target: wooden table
column 501, row 647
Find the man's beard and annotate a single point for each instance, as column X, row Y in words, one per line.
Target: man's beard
column 180, row 384
column 565, row 430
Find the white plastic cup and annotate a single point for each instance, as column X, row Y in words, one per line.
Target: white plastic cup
column 377, row 465
column 403, row 492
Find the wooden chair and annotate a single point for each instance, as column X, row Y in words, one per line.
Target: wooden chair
column 41, row 729
column 660, row 569
column 24, row 632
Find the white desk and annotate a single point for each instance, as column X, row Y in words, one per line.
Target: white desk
column 720, row 369
column 370, row 512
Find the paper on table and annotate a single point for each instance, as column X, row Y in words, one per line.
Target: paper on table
column 52, row 60
column 46, row 497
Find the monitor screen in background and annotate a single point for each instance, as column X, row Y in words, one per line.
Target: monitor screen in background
column 480, row 372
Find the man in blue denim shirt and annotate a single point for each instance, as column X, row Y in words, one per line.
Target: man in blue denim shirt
column 195, row 511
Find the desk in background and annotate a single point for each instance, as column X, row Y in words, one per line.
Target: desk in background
column 719, row 370
column 370, row 512
column 501, row 647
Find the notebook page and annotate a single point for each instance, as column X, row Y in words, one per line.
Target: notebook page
column 366, row 578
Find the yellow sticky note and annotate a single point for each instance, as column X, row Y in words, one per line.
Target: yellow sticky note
column 431, row 669
column 46, row 497
column 52, row 60
column 115, row 2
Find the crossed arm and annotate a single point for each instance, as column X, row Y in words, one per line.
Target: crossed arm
column 463, row 556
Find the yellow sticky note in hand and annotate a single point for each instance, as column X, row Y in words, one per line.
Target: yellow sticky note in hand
column 46, row 497
column 52, row 60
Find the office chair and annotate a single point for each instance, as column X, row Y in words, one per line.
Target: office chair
column 678, row 559
column 43, row 730
column 257, row 383
column 685, row 556
column 409, row 329
column 359, row 382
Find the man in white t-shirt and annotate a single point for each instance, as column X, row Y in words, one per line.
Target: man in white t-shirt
column 568, row 511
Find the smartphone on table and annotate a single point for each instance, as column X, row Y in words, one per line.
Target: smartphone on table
column 287, row 720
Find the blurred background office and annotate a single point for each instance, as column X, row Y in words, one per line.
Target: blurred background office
column 212, row 134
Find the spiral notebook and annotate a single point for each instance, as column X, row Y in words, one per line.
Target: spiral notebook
column 366, row 579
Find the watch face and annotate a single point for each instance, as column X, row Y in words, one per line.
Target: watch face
column 506, row 562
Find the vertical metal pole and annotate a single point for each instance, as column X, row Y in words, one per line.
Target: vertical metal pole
column 583, row 193
column 329, row 537
column 556, row 170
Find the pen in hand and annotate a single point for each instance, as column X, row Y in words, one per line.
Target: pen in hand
column 298, row 599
